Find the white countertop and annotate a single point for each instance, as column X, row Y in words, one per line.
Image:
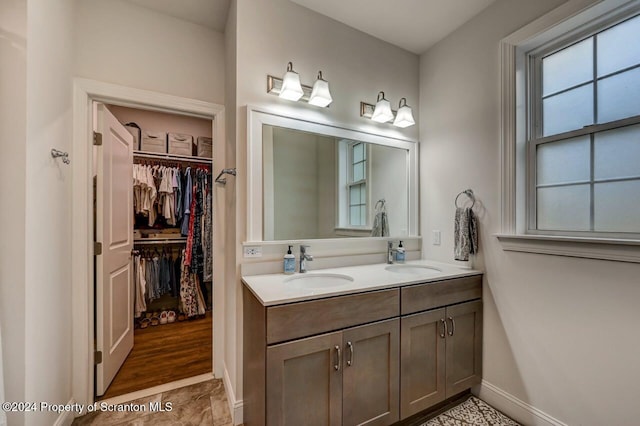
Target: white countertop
column 271, row 289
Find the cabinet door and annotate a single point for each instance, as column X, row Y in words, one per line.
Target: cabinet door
column 422, row 361
column 371, row 374
column 304, row 385
column 464, row 346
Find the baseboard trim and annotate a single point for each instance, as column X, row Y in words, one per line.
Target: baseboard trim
column 66, row 417
column 235, row 407
column 514, row 407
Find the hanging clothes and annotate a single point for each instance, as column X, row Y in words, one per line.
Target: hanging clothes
column 182, row 198
column 140, row 286
column 207, row 235
column 187, row 198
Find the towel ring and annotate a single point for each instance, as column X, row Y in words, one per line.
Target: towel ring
column 381, row 203
column 468, row 193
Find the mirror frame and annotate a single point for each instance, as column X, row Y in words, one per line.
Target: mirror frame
column 255, row 197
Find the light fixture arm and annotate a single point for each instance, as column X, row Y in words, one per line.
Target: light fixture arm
column 400, row 104
column 380, row 98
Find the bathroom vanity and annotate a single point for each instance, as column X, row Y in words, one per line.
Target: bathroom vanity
column 371, row 344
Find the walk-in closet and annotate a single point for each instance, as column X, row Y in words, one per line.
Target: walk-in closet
column 153, row 191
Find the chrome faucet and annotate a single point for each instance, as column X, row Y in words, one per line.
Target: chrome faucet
column 390, row 251
column 304, row 256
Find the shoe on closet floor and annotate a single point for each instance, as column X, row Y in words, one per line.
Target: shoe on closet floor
column 164, row 317
column 171, row 316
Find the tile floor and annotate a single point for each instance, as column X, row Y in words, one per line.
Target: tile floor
column 200, row 404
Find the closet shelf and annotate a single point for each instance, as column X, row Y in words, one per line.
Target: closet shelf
column 156, row 156
column 181, row 240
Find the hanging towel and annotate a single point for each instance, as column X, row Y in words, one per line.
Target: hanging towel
column 380, row 221
column 465, row 234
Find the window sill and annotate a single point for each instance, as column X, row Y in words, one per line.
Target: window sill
column 591, row 248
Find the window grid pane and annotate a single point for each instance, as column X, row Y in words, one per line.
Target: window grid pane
column 568, row 67
column 358, row 204
column 619, row 47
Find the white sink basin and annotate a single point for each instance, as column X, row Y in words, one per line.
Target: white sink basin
column 318, row 280
column 413, row 270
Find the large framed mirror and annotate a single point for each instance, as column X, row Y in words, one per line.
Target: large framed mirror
column 312, row 181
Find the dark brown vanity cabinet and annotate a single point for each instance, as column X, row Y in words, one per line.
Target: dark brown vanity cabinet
column 441, row 349
column 369, row 358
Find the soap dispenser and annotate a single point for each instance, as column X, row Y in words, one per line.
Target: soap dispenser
column 289, row 262
column 400, row 255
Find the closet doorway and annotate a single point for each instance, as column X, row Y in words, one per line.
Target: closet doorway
column 134, row 328
column 154, row 277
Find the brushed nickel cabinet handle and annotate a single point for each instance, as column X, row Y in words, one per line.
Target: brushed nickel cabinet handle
column 350, row 360
column 339, row 358
column 453, row 326
column 444, row 328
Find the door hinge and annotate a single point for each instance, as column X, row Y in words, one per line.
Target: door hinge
column 97, row 248
column 97, row 138
column 97, row 357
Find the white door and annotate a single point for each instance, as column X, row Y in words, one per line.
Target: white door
column 114, row 230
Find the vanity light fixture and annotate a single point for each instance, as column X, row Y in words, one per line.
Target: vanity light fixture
column 320, row 95
column 404, row 117
column 382, row 112
column 291, row 87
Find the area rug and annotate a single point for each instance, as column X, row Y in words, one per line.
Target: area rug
column 472, row 412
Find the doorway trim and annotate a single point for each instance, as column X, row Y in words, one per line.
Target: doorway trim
column 84, row 93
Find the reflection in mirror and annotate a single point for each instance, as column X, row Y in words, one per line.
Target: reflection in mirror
column 318, row 186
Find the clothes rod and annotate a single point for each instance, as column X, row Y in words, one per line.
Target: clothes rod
column 171, row 157
column 160, row 241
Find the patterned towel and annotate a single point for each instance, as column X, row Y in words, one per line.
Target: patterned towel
column 465, row 234
column 380, row 221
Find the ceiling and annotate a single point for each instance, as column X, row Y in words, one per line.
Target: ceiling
column 414, row 25
column 209, row 13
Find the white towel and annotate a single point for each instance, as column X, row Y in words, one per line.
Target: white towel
column 465, row 234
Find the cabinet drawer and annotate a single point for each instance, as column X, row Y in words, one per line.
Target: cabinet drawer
column 287, row 322
column 441, row 293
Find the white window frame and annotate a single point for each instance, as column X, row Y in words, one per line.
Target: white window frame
column 351, row 182
column 567, row 20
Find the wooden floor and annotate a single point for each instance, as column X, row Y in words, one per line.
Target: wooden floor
column 165, row 353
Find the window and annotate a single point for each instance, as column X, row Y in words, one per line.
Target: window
column 583, row 133
column 357, row 183
column 353, row 185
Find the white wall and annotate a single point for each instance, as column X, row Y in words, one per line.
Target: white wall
column 48, row 224
column 163, row 122
column 13, row 115
column 123, row 43
column 230, row 266
column 560, row 333
column 389, row 182
column 357, row 66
